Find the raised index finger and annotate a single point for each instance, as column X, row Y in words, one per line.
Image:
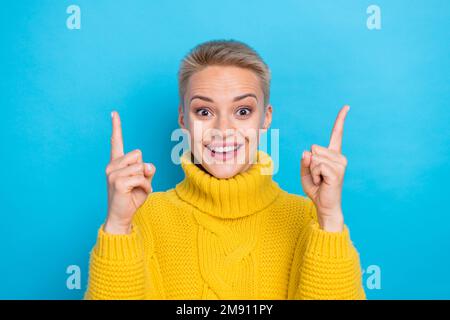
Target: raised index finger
column 116, row 137
column 338, row 129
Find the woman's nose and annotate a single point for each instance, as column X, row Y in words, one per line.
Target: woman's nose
column 224, row 123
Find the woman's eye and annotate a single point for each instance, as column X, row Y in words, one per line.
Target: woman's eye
column 202, row 112
column 244, row 111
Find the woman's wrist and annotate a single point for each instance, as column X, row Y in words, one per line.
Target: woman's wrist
column 331, row 223
column 112, row 227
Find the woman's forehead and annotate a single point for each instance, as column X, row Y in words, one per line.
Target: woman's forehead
column 224, row 82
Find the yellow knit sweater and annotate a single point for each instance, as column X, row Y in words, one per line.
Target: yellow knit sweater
column 237, row 238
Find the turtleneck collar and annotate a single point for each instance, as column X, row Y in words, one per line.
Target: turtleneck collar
column 244, row 194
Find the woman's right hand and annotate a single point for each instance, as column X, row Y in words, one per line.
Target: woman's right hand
column 129, row 182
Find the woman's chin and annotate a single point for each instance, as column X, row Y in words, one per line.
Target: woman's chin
column 224, row 171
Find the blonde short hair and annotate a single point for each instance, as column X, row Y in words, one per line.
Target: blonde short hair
column 223, row 53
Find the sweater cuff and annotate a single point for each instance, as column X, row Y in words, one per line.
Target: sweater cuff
column 328, row 244
column 119, row 246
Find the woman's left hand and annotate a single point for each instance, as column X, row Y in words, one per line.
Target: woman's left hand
column 322, row 176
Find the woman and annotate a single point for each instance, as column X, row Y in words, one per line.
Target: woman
column 227, row 231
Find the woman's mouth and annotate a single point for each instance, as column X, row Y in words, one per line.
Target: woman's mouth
column 223, row 152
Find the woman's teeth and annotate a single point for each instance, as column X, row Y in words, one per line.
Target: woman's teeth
column 223, row 149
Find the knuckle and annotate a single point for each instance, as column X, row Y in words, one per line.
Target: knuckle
column 111, row 178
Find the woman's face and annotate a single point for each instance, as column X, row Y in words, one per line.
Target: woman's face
column 223, row 112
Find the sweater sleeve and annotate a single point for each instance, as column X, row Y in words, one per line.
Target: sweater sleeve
column 124, row 266
column 326, row 264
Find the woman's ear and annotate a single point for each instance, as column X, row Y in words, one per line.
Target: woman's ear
column 181, row 116
column 267, row 117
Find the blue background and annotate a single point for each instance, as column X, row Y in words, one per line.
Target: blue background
column 58, row 87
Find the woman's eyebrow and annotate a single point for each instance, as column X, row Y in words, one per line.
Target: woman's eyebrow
column 201, row 98
column 243, row 96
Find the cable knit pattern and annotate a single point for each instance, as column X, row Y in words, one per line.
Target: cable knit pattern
column 237, row 238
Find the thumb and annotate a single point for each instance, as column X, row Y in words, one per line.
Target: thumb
column 305, row 172
column 149, row 172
